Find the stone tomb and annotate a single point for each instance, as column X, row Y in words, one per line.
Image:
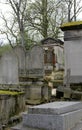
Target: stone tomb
column 53, row 116
column 11, row 104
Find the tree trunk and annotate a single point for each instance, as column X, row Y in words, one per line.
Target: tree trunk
column 69, row 11
column 22, row 34
column 44, row 18
column 74, row 10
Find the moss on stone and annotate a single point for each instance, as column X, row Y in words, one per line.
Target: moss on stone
column 72, row 25
column 12, row 93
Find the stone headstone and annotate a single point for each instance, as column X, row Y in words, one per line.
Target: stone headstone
column 35, row 62
column 20, row 52
column 8, row 68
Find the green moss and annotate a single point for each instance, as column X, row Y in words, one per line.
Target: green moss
column 72, row 25
column 13, row 93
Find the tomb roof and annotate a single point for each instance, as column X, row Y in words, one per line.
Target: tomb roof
column 50, row 40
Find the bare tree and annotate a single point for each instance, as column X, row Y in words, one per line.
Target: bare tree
column 74, row 8
column 19, row 7
column 45, row 16
column 9, row 29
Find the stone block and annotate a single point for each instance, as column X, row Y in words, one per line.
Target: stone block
column 53, row 122
column 54, row 116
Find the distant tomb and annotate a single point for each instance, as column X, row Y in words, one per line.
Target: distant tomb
column 53, row 54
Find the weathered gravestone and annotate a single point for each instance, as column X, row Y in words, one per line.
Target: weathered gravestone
column 8, row 68
column 35, row 69
column 35, row 72
column 20, row 52
column 35, row 62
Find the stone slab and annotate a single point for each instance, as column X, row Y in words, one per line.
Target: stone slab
column 65, row 121
column 55, row 108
